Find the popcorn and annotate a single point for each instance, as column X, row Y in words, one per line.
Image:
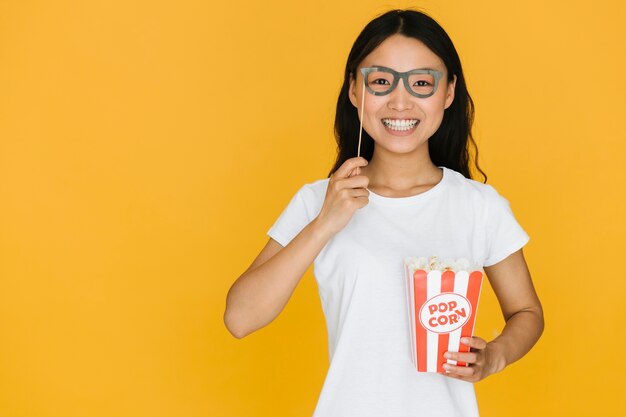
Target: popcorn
column 433, row 263
column 417, row 263
column 442, row 296
column 448, row 265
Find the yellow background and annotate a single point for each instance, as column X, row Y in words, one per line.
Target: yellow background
column 147, row 146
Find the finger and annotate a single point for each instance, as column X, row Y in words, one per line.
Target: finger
column 361, row 201
column 350, row 164
column 354, row 172
column 460, row 371
column 474, row 342
column 351, row 193
column 460, row 377
column 467, row 357
column 359, row 192
column 358, row 181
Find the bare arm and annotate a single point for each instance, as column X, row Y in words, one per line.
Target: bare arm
column 262, row 291
column 523, row 314
column 520, row 306
column 259, row 295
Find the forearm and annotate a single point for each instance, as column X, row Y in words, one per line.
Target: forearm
column 520, row 333
column 259, row 295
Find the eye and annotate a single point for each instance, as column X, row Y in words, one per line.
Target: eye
column 422, row 83
column 383, row 81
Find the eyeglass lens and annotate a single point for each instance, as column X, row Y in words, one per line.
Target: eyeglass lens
column 381, row 82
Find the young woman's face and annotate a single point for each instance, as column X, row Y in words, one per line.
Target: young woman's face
column 401, row 54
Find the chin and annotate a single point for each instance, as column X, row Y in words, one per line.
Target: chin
column 401, row 145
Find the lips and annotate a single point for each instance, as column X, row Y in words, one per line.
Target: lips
column 400, row 124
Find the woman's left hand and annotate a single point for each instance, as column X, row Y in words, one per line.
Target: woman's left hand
column 483, row 359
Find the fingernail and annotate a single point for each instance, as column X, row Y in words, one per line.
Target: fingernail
column 465, row 340
column 447, row 355
column 446, row 366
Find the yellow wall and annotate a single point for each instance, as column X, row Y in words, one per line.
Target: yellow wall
column 146, row 147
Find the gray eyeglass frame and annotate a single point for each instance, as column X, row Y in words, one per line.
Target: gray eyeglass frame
column 405, row 77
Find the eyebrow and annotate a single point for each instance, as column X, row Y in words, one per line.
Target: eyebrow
column 422, row 68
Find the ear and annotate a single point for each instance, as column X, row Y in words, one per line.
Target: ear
column 352, row 92
column 450, row 92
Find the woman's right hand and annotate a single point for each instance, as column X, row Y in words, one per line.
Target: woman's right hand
column 346, row 192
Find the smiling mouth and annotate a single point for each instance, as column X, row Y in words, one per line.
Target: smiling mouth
column 400, row 124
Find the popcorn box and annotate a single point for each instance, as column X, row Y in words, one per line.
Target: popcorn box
column 443, row 301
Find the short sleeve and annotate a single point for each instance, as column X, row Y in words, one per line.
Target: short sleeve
column 504, row 234
column 291, row 221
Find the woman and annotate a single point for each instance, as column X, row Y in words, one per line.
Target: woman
column 409, row 194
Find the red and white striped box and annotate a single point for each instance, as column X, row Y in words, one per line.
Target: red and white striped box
column 442, row 309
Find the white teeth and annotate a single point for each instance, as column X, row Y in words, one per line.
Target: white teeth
column 405, row 124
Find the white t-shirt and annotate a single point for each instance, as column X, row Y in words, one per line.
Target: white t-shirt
column 361, row 283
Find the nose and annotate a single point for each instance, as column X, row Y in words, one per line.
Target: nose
column 400, row 98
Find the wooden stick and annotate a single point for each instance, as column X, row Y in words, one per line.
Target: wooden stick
column 362, row 108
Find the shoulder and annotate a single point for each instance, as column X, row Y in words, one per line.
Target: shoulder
column 472, row 190
column 310, row 197
column 469, row 187
column 314, row 191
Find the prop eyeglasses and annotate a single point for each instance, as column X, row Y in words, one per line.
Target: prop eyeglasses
column 421, row 83
column 380, row 81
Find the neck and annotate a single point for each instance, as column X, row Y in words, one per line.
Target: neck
column 401, row 172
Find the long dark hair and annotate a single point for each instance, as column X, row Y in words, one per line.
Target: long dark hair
column 449, row 145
